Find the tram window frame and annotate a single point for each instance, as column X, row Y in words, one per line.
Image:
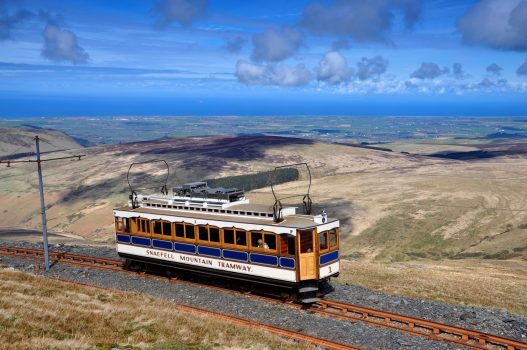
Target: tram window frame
column 334, row 232
column 157, row 228
column 257, row 235
column 214, row 232
column 143, row 227
column 167, row 228
column 324, row 248
column 208, row 241
column 291, row 245
column 239, row 238
column 241, row 234
column 118, row 224
column 190, row 232
column 203, row 233
column 305, row 249
column 229, row 236
column 179, row 230
column 122, row 225
column 287, row 244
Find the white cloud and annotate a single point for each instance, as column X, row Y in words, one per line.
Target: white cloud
column 61, row 45
column 429, row 70
column 499, row 24
column 368, row 68
column 364, row 21
column 333, row 69
column 276, row 45
column 272, row 74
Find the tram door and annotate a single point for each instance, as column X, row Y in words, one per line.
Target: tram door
column 307, row 255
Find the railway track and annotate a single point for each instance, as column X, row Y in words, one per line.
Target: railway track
column 407, row 324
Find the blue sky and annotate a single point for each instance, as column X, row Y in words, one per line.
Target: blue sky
column 183, row 57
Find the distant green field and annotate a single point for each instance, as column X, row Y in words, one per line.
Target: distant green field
column 370, row 130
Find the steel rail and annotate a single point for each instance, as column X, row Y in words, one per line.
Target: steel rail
column 418, row 326
column 407, row 324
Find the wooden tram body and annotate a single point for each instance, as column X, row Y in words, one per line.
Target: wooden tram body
column 220, row 232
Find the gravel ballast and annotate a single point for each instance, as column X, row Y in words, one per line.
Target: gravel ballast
column 355, row 333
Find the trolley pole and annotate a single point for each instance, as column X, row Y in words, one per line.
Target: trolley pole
column 41, row 191
column 42, row 207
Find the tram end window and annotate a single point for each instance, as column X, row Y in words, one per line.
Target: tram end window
column 126, row 225
column 333, row 241
column 291, row 245
column 119, row 224
column 323, row 240
column 306, row 241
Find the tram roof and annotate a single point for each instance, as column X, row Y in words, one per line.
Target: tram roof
column 296, row 221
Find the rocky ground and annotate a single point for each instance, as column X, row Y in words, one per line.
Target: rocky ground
column 488, row 320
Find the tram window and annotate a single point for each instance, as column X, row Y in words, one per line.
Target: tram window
column 228, row 236
column 214, row 233
column 126, row 225
column 144, row 226
column 263, row 240
column 157, row 227
column 119, row 224
column 241, row 238
column 323, row 239
column 180, row 230
column 333, row 237
column 290, row 245
column 189, row 231
column 167, row 229
column 203, row 233
column 306, row 241
column 255, row 237
column 270, row 241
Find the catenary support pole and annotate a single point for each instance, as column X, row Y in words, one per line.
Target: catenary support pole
column 42, row 207
column 41, row 190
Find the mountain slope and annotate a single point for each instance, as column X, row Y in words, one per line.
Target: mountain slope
column 20, row 141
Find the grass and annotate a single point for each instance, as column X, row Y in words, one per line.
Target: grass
column 41, row 313
column 490, row 283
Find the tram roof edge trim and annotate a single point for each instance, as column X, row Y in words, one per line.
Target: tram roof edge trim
column 288, row 226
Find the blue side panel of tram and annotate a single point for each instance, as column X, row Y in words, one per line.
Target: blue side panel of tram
column 162, row 244
column 329, row 257
column 270, row 260
column 264, row 259
column 141, row 241
column 186, row 248
column 234, row 255
column 123, row 238
column 215, row 252
column 287, row 263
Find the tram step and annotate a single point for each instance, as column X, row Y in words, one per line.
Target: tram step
column 307, row 289
column 309, row 300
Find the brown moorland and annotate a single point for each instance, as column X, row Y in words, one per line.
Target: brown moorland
column 453, row 215
column 68, row 316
